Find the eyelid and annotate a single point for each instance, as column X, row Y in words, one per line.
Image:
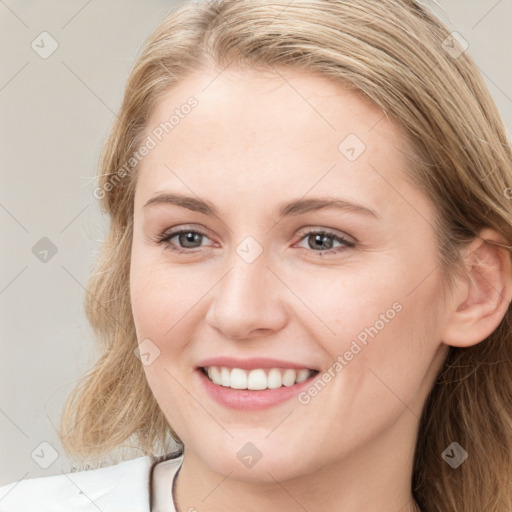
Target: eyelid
column 184, row 227
column 330, row 231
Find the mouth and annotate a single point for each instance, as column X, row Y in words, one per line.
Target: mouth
column 257, row 379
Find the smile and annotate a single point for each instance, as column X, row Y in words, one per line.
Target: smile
column 257, row 379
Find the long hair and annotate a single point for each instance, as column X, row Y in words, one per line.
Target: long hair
column 403, row 58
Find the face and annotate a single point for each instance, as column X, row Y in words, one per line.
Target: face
column 329, row 313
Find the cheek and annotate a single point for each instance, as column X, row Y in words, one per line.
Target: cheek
column 161, row 295
column 337, row 303
column 385, row 358
column 380, row 327
column 161, row 304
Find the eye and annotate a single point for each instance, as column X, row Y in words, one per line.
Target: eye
column 189, row 239
column 186, row 238
column 325, row 240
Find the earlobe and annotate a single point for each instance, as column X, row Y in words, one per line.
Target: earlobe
column 483, row 295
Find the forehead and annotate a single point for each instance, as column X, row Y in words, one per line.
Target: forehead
column 263, row 133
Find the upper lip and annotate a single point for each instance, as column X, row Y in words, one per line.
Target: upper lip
column 251, row 363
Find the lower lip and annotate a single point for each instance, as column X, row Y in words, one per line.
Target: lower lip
column 251, row 400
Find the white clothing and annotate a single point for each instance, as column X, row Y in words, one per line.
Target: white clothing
column 143, row 484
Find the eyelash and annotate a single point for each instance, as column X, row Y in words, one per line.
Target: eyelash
column 167, row 236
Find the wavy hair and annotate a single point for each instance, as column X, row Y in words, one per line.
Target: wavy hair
column 404, row 59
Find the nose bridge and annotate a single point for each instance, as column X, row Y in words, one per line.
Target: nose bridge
column 248, row 296
column 249, row 274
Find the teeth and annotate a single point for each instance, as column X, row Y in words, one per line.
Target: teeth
column 258, row 379
column 238, row 379
column 289, row 377
column 274, row 379
column 302, row 375
column 225, row 377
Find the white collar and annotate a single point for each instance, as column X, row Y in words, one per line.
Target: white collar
column 163, row 478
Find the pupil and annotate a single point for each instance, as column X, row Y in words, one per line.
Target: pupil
column 324, row 241
column 188, row 238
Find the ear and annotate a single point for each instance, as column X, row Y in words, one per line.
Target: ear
column 482, row 297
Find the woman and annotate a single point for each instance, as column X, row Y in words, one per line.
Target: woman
column 307, row 279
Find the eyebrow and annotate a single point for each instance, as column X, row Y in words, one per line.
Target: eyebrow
column 295, row 207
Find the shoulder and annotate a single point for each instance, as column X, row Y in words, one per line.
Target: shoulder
column 112, row 488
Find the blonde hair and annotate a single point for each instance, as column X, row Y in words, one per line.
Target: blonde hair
column 403, row 58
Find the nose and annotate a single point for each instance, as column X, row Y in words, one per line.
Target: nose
column 248, row 302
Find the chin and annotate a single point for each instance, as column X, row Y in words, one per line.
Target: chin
column 258, row 461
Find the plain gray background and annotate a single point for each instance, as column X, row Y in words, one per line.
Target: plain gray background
column 55, row 115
